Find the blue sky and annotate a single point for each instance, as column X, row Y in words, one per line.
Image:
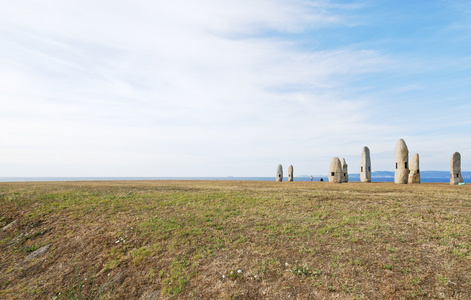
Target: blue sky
column 230, row 88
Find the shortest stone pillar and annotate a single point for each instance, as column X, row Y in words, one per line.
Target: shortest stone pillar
column 290, row 173
column 279, row 173
column 455, row 169
column 414, row 174
column 335, row 171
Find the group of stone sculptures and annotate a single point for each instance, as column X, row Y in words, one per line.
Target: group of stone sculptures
column 404, row 173
column 279, row 173
column 338, row 171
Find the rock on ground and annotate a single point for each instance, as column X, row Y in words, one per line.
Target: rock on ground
column 10, row 226
column 38, row 253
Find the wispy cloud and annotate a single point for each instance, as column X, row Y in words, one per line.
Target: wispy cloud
column 189, row 88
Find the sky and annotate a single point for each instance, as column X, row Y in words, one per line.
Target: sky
column 231, row 88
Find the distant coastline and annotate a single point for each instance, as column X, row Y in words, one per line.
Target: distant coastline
column 377, row 176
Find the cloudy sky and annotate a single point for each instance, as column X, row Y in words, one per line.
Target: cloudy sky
column 230, row 88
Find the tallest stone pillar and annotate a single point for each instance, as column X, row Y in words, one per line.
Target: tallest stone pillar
column 401, row 157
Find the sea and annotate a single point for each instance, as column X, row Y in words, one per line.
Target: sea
column 352, row 178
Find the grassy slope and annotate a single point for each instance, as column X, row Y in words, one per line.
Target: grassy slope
column 115, row 240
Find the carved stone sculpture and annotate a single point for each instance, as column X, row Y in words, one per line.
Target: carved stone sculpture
column 401, row 155
column 290, row 173
column 365, row 165
column 455, row 169
column 279, row 173
column 335, row 171
column 414, row 175
column 344, row 171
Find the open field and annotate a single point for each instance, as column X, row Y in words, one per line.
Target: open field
column 234, row 240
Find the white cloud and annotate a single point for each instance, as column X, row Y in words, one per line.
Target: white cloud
column 188, row 88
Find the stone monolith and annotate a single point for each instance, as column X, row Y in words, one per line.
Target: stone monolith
column 290, row 173
column 365, row 165
column 344, row 171
column 279, row 173
column 414, row 170
column 335, row 171
column 455, row 169
column 401, row 157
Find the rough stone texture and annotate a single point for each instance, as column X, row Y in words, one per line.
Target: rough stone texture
column 401, row 158
column 116, row 280
column 455, row 169
column 10, row 226
column 414, row 175
column 365, row 165
column 152, row 295
column 335, row 171
column 279, row 173
column 290, row 173
column 344, row 171
column 38, row 253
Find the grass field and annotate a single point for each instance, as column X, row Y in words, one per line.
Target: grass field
column 234, row 240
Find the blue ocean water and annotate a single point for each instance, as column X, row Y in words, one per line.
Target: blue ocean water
column 315, row 178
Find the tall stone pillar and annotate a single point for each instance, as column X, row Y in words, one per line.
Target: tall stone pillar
column 290, row 173
column 401, row 157
column 335, row 171
column 455, row 169
column 279, row 173
column 365, row 165
column 344, row 171
column 414, row 175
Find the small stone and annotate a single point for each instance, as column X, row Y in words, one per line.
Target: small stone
column 455, row 169
column 38, row 253
column 414, row 175
column 365, row 165
column 152, row 295
column 290, row 173
column 279, row 173
column 10, row 226
column 401, row 157
column 116, row 280
column 335, row 171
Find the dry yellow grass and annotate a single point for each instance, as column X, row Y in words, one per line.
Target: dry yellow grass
column 235, row 240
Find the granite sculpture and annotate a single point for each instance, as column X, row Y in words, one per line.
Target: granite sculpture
column 365, row 165
column 344, row 171
column 279, row 173
column 290, row 173
column 335, row 171
column 414, row 174
column 401, row 157
column 455, row 169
